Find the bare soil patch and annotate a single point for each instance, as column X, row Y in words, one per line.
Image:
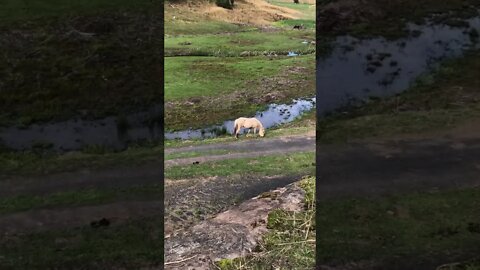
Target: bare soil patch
column 231, row 234
column 251, row 12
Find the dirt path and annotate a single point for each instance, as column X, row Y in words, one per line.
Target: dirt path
column 60, row 218
column 253, row 144
column 186, row 201
column 189, row 201
column 245, row 149
column 397, row 166
column 149, row 173
column 362, row 168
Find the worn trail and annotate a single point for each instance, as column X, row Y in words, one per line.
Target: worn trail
column 357, row 169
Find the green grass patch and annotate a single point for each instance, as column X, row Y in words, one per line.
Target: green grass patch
column 414, row 228
column 200, row 27
column 42, row 163
column 308, row 24
column 196, row 154
column 15, row 10
column 133, row 245
column 443, row 99
column 290, row 242
column 187, row 77
column 92, row 66
column 205, row 91
column 241, row 44
column 79, row 198
column 266, row 165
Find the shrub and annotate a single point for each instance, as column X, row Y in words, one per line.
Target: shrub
column 225, row 3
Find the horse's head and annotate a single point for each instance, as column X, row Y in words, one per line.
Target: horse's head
column 261, row 132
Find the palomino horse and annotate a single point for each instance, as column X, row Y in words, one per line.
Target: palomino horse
column 249, row 123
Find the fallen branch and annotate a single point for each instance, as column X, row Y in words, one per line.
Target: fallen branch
column 298, row 242
column 180, row 261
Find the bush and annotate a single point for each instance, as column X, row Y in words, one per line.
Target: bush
column 225, row 3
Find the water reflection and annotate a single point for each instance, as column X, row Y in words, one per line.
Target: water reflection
column 358, row 69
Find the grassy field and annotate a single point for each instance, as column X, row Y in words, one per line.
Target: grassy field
column 267, row 165
column 442, row 100
column 188, row 77
column 15, row 11
column 419, row 230
column 290, row 242
column 87, row 58
column 239, row 44
column 43, row 163
column 82, row 197
column 412, row 230
column 224, row 73
column 209, row 97
column 135, row 244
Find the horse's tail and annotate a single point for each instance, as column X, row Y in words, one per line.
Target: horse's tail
column 235, row 127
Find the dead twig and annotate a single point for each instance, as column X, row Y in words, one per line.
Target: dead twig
column 297, row 242
column 180, row 261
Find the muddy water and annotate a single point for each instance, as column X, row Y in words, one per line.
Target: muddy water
column 111, row 132
column 118, row 132
column 274, row 115
column 359, row 69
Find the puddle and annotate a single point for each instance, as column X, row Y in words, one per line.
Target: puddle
column 275, row 114
column 292, row 54
column 359, row 69
column 111, row 132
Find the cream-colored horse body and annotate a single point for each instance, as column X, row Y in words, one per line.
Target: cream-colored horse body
column 249, row 123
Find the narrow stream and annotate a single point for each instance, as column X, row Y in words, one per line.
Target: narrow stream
column 274, row 115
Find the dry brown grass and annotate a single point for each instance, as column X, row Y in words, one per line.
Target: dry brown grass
column 252, row 12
